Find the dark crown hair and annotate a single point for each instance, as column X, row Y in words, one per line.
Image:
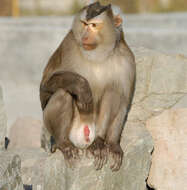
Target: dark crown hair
column 96, row 9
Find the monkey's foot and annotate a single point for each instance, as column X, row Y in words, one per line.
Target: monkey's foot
column 71, row 153
column 116, row 153
column 99, row 151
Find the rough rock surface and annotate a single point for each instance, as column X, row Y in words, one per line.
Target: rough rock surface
column 48, row 172
column 10, row 171
column 169, row 164
column 32, row 163
column 2, row 121
column 25, row 132
column 161, row 83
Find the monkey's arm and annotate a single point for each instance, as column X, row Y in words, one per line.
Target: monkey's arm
column 109, row 126
column 71, row 82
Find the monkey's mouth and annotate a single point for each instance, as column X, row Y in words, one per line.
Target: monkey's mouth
column 89, row 46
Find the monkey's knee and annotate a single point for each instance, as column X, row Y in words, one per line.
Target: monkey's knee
column 60, row 99
column 59, row 108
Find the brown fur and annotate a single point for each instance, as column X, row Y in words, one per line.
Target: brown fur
column 103, row 96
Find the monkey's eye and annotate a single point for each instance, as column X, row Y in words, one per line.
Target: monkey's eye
column 93, row 25
column 84, row 23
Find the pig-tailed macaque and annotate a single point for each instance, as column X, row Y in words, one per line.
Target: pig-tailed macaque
column 87, row 87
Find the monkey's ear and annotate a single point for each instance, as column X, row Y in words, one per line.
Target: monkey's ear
column 117, row 20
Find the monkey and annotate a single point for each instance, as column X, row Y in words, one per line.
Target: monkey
column 87, row 87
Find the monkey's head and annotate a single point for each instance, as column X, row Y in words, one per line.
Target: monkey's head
column 94, row 28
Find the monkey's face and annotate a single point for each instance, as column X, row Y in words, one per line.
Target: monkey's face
column 94, row 33
column 91, row 36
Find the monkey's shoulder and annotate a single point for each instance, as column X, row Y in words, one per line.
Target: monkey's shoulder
column 124, row 51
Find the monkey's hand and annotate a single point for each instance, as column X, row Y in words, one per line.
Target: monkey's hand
column 99, row 151
column 116, row 153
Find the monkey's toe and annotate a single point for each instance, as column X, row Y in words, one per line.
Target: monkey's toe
column 71, row 154
column 100, row 158
column 99, row 151
column 117, row 156
column 53, row 145
column 53, row 148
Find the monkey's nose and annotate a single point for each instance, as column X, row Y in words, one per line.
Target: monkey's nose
column 85, row 39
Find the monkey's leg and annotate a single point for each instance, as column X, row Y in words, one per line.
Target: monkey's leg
column 107, row 110
column 74, row 84
column 58, row 116
column 113, row 136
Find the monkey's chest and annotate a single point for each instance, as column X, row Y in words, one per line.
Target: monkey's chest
column 104, row 76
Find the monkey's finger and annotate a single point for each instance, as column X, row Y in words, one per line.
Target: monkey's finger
column 113, row 161
column 97, row 159
column 100, row 163
column 96, row 162
column 102, row 158
column 69, row 153
column 53, row 148
column 120, row 160
column 71, row 163
column 73, row 151
column 105, row 157
column 112, row 165
column 77, row 153
column 116, row 164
